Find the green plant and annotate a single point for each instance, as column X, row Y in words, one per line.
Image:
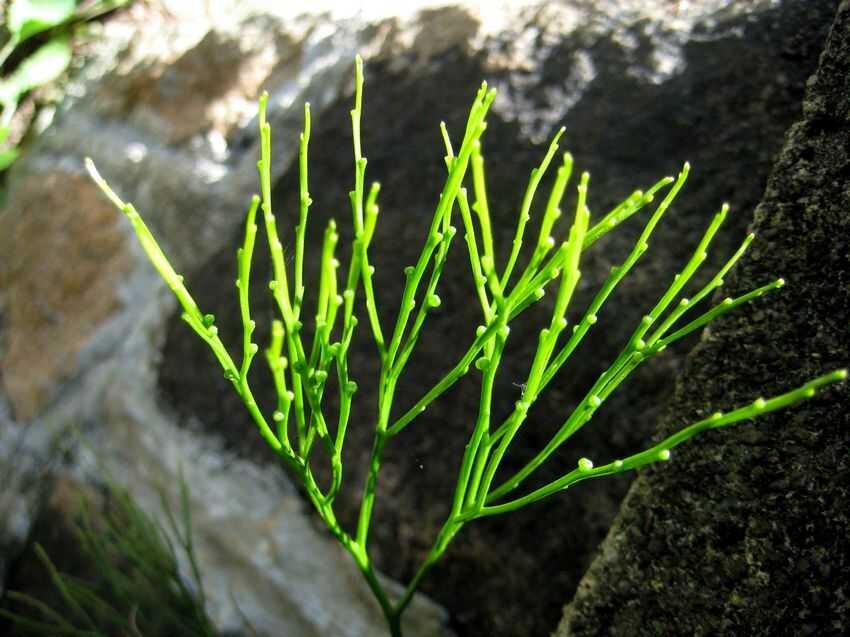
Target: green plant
column 136, row 588
column 24, row 20
column 301, row 372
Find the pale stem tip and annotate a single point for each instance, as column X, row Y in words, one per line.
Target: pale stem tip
column 92, row 170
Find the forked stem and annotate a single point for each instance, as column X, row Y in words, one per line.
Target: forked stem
column 501, row 303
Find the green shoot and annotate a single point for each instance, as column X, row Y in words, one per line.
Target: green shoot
column 504, row 293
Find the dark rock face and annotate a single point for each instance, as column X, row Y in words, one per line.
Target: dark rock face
column 742, row 85
column 748, row 533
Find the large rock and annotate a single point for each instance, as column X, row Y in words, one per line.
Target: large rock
column 166, row 111
column 748, row 533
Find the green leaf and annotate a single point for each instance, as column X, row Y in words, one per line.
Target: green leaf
column 7, row 156
column 28, row 17
column 43, row 66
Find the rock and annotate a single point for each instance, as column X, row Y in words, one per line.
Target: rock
column 640, row 85
column 23, row 464
column 747, row 534
column 54, row 219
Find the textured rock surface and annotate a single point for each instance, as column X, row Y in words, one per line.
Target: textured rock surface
column 166, row 112
column 748, row 533
column 51, row 306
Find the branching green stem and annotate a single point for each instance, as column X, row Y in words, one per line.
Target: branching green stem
column 300, row 379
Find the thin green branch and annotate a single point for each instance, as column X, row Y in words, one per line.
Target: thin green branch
column 304, row 208
column 661, row 451
column 525, row 210
column 244, row 256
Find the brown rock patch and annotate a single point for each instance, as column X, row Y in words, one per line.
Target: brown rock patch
column 63, row 254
